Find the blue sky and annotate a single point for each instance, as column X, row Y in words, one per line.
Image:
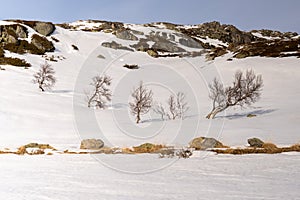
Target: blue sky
column 280, row 15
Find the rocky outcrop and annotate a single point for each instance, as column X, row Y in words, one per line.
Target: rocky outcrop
column 269, row 48
column 115, row 45
column 215, row 30
column 11, row 33
column 92, row 144
column 203, row 143
column 44, row 28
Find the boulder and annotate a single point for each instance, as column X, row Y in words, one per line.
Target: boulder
column 42, row 43
column 255, row 142
column 125, row 35
column 91, row 144
column 202, row 143
column 44, row 28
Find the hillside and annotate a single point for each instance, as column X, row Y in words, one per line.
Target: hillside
column 170, row 58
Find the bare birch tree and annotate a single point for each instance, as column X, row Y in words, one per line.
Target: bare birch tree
column 45, row 77
column 246, row 90
column 101, row 93
column 142, row 101
column 176, row 109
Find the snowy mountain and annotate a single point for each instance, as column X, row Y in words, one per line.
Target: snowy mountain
column 170, row 58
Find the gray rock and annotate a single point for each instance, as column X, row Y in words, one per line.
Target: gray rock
column 115, row 45
column 42, row 43
column 202, row 143
column 190, row 42
column 255, row 142
column 91, row 144
column 44, row 28
column 21, row 31
column 125, row 35
column 142, row 45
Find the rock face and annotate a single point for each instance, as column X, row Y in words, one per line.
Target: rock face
column 255, row 142
column 91, row 144
column 202, row 143
column 11, row 33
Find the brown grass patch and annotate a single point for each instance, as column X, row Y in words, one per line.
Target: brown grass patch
column 148, row 148
column 268, row 148
column 21, row 150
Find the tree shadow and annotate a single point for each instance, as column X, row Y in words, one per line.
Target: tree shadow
column 62, row 91
column 242, row 115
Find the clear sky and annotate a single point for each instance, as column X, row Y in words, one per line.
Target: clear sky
column 283, row 15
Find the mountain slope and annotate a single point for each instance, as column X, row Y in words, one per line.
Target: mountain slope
column 28, row 115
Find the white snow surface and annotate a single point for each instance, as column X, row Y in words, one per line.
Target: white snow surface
column 61, row 118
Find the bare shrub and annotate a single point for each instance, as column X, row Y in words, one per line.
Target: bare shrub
column 142, row 101
column 45, row 77
column 246, row 90
column 176, row 109
column 101, row 93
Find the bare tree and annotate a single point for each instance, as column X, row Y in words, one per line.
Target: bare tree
column 246, row 89
column 181, row 104
column 101, row 93
column 142, row 101
column 177, row 107
column 45, row 77
column 160, row 109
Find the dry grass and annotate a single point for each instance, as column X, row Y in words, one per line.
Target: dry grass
column 40, row 146
column 148, row 148
column 267, row 148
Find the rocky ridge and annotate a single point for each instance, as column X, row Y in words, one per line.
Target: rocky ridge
column 156, row 39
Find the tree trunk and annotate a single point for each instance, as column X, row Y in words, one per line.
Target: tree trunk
column 41, row 88
column 138, row 118
column 214, row 112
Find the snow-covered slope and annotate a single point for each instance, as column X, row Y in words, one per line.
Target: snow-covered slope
column 61, row 118
column 58, row 116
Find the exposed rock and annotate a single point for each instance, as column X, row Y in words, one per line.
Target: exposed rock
column 142, row 45
column 125, row 35
column 167, row 46
column 100, row 56
column 137, row 32
column 91, row 144
column 268, row 48
column 152, row 53
column 115, row 45
column 202, row 143
column 11, row 33
column 21, row 31
column 222, row 32
column 42, row 43
column 216, row 52
column 190, row 42
column 44, row 28
column 255, row 142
